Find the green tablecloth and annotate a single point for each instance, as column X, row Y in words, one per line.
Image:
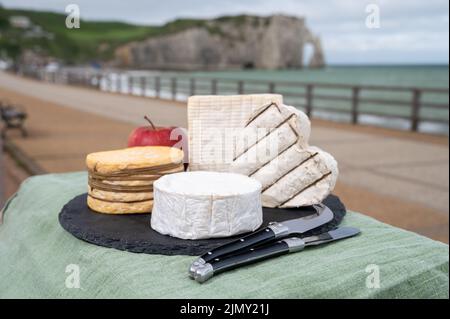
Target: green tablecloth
column 35, row 251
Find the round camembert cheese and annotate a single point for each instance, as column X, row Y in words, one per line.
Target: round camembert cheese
column 198, row 205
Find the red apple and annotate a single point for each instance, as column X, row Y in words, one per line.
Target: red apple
column 152, row 136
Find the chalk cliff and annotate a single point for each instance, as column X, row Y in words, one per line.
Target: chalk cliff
column 227, row 43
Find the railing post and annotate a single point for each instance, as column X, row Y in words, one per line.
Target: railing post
column 271, row 87
column 309, row 100
column 415, row 111
column 355, row 104
column 107, row 83
column 119, row 83
column 192, row 82
column 98, row 80
column 157, row 86
column 213, row 87
column 143, row 85
column 174, row 88
column 130, row 84
column 240, row 87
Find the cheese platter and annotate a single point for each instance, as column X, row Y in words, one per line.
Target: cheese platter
column 251, row 178
column 132, row 232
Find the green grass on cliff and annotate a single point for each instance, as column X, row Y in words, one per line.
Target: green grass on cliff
column 93, row 41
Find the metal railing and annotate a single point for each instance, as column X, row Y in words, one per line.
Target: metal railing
column 345, row 102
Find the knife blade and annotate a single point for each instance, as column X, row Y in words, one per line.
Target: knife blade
column 332, row 235
column 278, row 248
column 275, row 230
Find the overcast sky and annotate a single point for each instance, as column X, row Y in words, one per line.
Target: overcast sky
column 411, row 31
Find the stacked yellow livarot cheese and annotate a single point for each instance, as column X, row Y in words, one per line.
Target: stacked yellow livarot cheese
column 121, row 181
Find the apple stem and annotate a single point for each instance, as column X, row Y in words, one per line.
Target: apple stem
column 150, row 121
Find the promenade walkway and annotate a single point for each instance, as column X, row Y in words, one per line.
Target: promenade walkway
column 398, row 177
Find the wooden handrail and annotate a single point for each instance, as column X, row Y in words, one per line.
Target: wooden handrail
column 415, row 110
column 311, row 93
column 328, row 85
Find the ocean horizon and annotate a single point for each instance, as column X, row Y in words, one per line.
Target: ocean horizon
column 432, row 75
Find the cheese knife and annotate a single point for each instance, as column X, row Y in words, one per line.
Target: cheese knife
column 278, row 248
column 275, row 230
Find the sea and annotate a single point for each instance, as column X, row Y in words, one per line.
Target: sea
column 428, row 76
column 407, row 76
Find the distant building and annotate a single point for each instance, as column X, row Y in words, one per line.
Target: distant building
column 4, row 64
column 21, row 22
column 36, row 31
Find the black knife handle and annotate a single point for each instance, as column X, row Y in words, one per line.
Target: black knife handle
column 262, row 236
column 254, row 255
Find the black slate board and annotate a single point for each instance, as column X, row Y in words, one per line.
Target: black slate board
column 133, row 232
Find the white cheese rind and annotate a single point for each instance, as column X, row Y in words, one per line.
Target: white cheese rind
column 276, row 169
column 200, row 205
column 212, row 121
column 303, row 123
column 279, row 160
column 265, row 150
column 308, row 183
column 322, row 188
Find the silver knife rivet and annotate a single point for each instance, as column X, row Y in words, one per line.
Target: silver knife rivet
column 267, row 229
column 242, row 239
column 217, row 259
column 209, row 253
column 252, row 249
